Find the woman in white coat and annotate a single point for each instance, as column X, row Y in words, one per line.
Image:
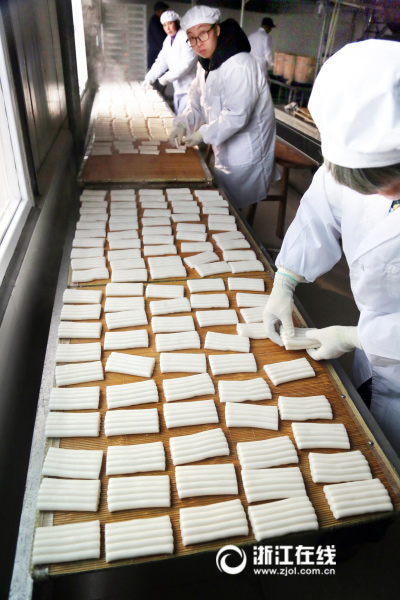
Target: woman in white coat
column 229, row 106
column 176, row 62
column 355, row 103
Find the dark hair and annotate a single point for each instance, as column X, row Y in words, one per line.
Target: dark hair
column 267, row 22
column 160, row 6
column 365, row 181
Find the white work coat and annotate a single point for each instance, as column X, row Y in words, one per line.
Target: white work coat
column 177, row 62
column 371, row 243
column 261, row 49
column 233, row 110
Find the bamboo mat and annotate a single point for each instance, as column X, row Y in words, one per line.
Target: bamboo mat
column 144, row 168
column 265, row 352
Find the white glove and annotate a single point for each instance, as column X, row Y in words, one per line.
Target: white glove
column 335, row 341
column 146, row 84
column 279, row 307
column 163, row 80
column 194, row 139
column 175, row 138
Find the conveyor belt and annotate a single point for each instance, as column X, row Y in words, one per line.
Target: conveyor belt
column 265, row 352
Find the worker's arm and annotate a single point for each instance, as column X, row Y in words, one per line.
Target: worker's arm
column 159, row 67
column 193, row 117
column 187, row 62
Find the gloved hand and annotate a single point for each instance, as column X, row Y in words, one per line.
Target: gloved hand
column 175, row 138
column 163, row 80
column 194, row 139
column 146, row 84
column 279, row 307
column 335, row 341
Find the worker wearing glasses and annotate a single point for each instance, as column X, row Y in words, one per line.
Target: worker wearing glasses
column 229, row 106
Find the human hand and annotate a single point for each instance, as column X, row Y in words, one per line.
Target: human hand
column 335, row 341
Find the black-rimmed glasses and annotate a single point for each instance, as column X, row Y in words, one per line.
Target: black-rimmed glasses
column 203, row 37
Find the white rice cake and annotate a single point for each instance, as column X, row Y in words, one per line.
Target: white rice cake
column 282, row 517
column 126, row 493
column 201, row 259
column 184, row 218
column 186, row 340
column 156, row 231
column 192, row 236
column 66, row 543
column 240, row 391
column 93, row 218
column 88, row 242
column 127, row 422
column 227, row 245
column 128, row 275
column 192, row 448
column 212, row 209
column 318, row 435
column 79, row 312
column 125, row 340
column 181, row 388
column 139, row 537
column 74, row 398
column 79, row 373
column 131, row 234
column 254, row 331
column 172, row 324
column 214, row 268
column 304, row 409
column 135, row 459
column 72, row 464
column 160, row 250
column 251, row 415
column 209, row 301
column 131, row 394
column 128, row 254
column 191, row 227
column 86, row 252
column 167, row 307
column 208, row 318
column 155, row 221
column 130, row 364
column 264, row 454
column 126, row 318
column 273, row 484
column 339, row 468
column 86, row 275
column 82, row 296
column 68, row 495
column 299, row 341
column 229, row 235
column 220, row 225
column 206, row 285
column 61, row 424
column 78, row 352
column 251, row 300
column 125, row 303
column 206, row 480
column 124, row 244
column 180, row 414
column 253, row 315
column 238, row 255
column 187, row 247
column 289, row 370
column 123, row 212
column 158, row 240
column 79, row 264
column 357, row 498
column 156, row 212
column 213, row 522
column 164, row 291
column 246, row 284
column 183, row 363
column 122, row 224
column 124, row 289
column 226, row 342
column 127, row 263
column 185, row 208
column 246, row 266
column 165, row 267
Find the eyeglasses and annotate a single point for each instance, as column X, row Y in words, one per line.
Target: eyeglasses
column 203, row 37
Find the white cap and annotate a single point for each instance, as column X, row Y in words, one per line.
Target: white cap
column 198, row 15
column 169, row 15
column 355, row 103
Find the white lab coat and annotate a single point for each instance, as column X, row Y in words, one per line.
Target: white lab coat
column 178, row 63
column 233, row 110
column 371, row 243
column 261, row 49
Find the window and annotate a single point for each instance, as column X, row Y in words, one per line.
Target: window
column 80, row 44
